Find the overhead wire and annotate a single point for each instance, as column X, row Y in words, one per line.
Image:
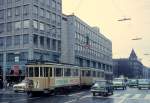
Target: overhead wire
column 78, row 6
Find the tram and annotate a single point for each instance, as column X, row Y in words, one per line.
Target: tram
column 51, row 77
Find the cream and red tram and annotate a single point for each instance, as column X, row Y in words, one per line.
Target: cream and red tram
column 49, row 77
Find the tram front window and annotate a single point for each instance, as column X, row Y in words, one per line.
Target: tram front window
column 36, row 70
column 46, row 72
column 41, row 72
column 30, row 71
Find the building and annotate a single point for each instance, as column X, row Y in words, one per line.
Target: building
column 128, row 67
column 146, row 72
column 85, row 46
column 29, row 30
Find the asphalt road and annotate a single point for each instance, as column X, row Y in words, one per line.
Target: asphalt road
column 131, row 95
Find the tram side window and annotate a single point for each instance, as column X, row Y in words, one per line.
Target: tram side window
column 50, row 72
column 58, row 72
column 88, row 73
column 30, row 71
column 41, row 72
column 98, row 74
column 94, row 73
column 26, row 72
column 67, row 72
column 83, row 73
column 36, row 70
column 45, row 71
column 74, row 72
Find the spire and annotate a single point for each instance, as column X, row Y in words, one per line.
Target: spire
column 133, row 55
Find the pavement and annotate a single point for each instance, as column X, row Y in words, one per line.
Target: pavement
column 131, row 95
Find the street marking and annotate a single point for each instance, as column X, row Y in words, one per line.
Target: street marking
column 26, row 99
column 124, row 96
column 147, row 96
column 87, row 96
column 70, row 101
column 136, row 96
column 75, row 94
column 122, row 100
column 116, row 95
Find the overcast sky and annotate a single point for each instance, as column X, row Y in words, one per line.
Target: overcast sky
column 105, row 13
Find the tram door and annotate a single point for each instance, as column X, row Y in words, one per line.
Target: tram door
column 45, row 81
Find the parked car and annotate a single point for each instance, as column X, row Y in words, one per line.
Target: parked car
column 133, row 83
column 143, row 83
column 20, row 86
column 119, row 83
column 102, row 88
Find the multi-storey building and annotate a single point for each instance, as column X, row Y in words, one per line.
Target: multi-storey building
column 85, row 46
column 128, row 67
column 29, row 29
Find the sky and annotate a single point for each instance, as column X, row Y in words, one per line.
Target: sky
column 105, row 15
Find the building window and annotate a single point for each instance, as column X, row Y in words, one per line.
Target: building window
column 26, row 39
column 41, row 26
column 17, row 40
column 9, row 27
column 8, row 41
column 47, row 14
column 59, row 46
column 35, row 24
column 58, row 6
column 42, row 41
column 9, row 12
column 26, row 24
column 23, row 56
column 41, row 12
column 9, row 1
column 35, row 9
column 1, row 28
column 48, row 43
column 17, row 11
column 17, row 0
column 1, row 2
column 53, row 18
column 1, row 14
column 26, row 9
column 54, row 44
column 1, row 41
column 35, row 39
column 18, row 25
column 53, row 4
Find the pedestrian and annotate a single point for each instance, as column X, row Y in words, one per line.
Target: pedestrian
column 5, row 84
column 1, row 84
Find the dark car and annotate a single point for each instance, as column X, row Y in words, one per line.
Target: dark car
column 102, row 88
column 133, row 83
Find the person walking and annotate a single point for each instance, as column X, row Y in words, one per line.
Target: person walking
column 1, row 84
column 5, row 84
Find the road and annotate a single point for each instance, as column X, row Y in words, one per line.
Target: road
column 131, row 95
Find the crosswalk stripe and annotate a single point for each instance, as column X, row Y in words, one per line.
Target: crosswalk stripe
column 116, row 95
column 147, row 96
column 125, row 95
column 136, row 96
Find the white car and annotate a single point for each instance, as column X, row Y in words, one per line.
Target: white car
column 20, row 86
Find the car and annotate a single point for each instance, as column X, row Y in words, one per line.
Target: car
column 143, row 83
column 102, row 88
column 119, row 83
column 133, row 83
column 20, row 86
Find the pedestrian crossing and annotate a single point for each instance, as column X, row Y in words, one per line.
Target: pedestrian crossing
column 131, row 96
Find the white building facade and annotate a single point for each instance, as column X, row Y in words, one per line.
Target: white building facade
column 85, row 46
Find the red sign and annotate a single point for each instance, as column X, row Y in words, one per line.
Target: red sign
column 16, row 70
